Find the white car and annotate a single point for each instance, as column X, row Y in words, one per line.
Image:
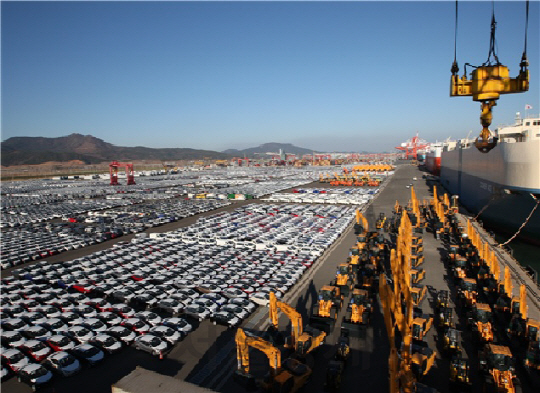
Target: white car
column 106, row 343
column 239, row 311
column 208, row 303
column 225, row 318
column 261, row 298
column 216, row 298
column 243, row 302
column 150, row 317
column 198, row 311
column 179, row 324
column 151, row 344
column 166, row 333
column 233, row 292
column 122, row 333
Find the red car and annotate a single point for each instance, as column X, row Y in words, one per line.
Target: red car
column 36, row 350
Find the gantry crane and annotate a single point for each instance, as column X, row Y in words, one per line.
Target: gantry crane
column 113, row 171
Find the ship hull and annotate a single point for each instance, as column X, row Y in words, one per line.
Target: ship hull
column 433, row 163
column 492, row 184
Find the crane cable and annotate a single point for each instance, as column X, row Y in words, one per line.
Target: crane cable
column 524, row 61
column 492, row 43
column 455, row 68
column 524, row 222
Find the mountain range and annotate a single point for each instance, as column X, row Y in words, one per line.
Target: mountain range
column 92, row 150
column 272, row 147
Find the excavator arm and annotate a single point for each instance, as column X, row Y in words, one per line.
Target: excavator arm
column 243, row 342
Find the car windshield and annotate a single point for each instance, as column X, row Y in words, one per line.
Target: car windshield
column 109, row 341
column 65, row 361
column 154, row 341
column 37, row 346
column 16, row 357
column 82, row 331
column 37, row 372
column 91, row 351
column 62, row 341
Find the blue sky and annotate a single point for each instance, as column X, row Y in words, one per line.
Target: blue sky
column 328, row 76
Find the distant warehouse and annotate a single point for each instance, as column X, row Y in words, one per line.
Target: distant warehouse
column 142, row 380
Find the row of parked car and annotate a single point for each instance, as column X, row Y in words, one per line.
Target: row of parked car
column 32, row 241
column 295, row 228
column 150, row 293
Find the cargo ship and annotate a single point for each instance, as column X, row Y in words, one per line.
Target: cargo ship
column 501, row 187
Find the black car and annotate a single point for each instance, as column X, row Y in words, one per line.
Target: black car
column 35, row 375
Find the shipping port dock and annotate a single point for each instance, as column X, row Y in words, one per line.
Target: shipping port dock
column 207, row 357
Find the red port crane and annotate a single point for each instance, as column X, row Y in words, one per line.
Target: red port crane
column 113, row 171
column 412, row 146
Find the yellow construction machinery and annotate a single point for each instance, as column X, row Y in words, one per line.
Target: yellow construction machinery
column 302, row 341
column 467, row 292
column 344, row 278
column 361, row 225
column 445, row 318
column 451, row 341
column 324, row 312
column 336, row 366
column 480, row 321
column 459, row 374
column 289, row 377
column 420, row 326
column 443, row 299
column 497, row 363
column 417, row 275
column 418, row 292
column 358, row 313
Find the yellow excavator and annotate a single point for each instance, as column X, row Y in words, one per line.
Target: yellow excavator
column 303, row 341
column 289, row 377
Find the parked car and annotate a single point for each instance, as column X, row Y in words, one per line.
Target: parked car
column 35, row 375
column 106, row 343
column 179, row 324
column 88, row 353
column 151, row 344
column 14, row 359
column 80, row 333
column 245, row 303
column 198, row 311
column 122, row 333
column 166, row 333
column 36, row 350
column 110, row 318
column 149, row 317
column 137, row 325
column 63, row 363
column 60, row 343
column 12, row 339
column 225, row 318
